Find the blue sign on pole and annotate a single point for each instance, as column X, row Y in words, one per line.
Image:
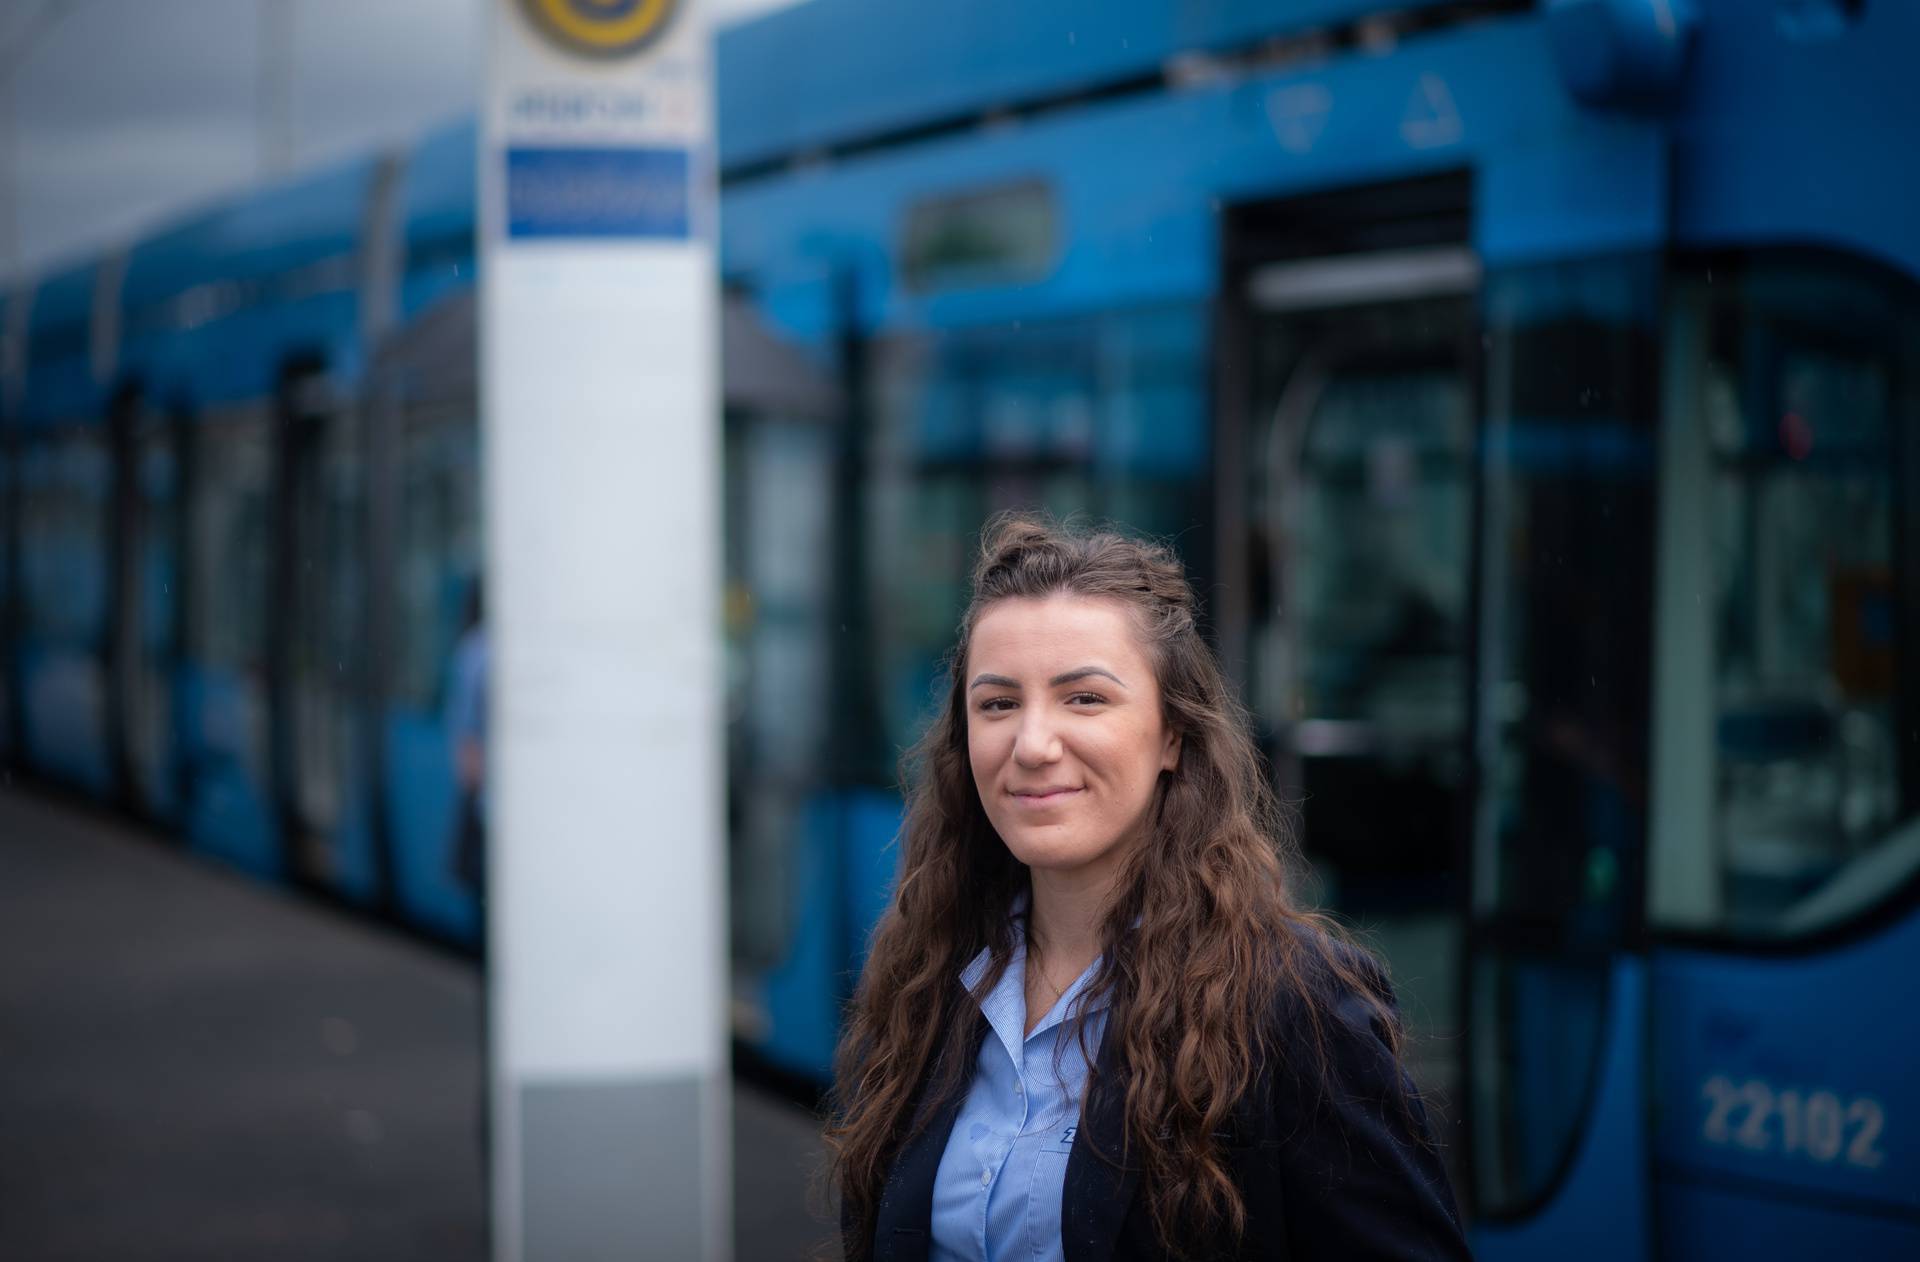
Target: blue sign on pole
column 577, row 192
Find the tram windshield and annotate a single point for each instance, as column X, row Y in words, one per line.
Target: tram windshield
column 1695, row 557
column 1785, row 782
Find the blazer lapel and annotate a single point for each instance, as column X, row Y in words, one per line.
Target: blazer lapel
column 1100, row 1180
column 903, row 1227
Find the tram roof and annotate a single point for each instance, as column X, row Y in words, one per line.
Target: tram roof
column 440, row 181
column 59, row 380
column 274, row 229
column 875, row 67
column 63, row 298
column 437, row 214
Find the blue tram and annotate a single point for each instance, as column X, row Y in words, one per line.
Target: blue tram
column 1533, row 387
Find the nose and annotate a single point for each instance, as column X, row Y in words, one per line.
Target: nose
column 1035, row 744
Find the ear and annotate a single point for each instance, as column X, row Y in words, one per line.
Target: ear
column 1170, row 756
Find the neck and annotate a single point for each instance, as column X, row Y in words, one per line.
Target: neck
column 1065, row 916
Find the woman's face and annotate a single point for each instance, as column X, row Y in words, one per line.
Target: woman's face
column 1064, row 729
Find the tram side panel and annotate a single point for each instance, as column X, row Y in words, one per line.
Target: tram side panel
column 422, row 556
column 65, row 482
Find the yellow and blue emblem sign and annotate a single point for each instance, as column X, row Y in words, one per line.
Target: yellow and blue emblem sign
column 601, row 28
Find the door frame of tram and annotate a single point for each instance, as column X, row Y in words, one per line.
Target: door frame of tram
column 1444, row 261
column 302, row 415
column 1374, row 250
column 143, row 674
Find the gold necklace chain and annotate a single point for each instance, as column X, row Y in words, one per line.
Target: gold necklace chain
column 1033, row 963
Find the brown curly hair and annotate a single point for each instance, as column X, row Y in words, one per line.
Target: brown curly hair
column 1203, row 938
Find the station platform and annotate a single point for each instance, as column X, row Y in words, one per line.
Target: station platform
column 193, row 1066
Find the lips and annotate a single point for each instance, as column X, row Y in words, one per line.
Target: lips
column 1045, row 797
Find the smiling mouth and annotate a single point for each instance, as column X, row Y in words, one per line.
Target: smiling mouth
column 1043, row 797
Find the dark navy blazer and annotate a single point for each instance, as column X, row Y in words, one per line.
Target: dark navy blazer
column 1345, row 1169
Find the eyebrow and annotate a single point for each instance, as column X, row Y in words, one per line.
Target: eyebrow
column 1065, row 677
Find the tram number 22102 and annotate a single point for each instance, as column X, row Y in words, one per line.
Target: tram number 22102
column 1813, row 1124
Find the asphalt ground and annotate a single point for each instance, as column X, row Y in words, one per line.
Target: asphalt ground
column 193, row 1066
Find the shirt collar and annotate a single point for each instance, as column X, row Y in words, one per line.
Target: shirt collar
column 1005, row 1006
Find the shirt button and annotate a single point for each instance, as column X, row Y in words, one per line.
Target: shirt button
column 1019, row 1088
column 986, row 1177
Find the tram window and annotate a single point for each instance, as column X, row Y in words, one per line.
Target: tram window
column 9, row 499
column 780, row 553
column 63, row 522
column 987, row 237
column 230, row 537
column 343, row 511
column 439, row 554
column 1382, row 597
column 1102, row 416
column 1782, row 807
column 147, row 704
column 1567, row 503
column 323, row 618
column 786, row 554
column 159, row 484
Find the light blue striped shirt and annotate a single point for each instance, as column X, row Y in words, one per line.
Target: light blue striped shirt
column 997, row 1193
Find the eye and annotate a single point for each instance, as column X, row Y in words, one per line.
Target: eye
column 996, row 705
column 1086, row 699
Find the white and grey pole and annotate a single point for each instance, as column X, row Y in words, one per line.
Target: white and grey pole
column 600, row 426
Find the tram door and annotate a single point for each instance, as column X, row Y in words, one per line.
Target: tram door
column 1347, row 497
column 147, row 603
column 314, row 621
column 1361, row 521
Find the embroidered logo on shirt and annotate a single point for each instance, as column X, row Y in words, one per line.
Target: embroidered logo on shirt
column 1066, row 1136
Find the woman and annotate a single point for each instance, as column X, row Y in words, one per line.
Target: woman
column 1095, row 1024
